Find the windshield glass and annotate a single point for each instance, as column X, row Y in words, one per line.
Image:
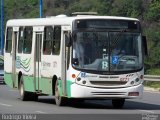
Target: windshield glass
column 107, row 51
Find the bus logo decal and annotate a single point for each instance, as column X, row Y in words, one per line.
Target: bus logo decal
column 83, row 74
column 24, row 64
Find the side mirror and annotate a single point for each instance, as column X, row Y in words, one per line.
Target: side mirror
column 144, row 42
column 68, row 40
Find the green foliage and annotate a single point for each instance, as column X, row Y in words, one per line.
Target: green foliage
column 153, row 13
column 84, row 5
column 152, row 84
column 148, row 11
column 20, row 8
column 130, row 8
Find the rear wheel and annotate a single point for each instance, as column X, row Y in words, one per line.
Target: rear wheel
column 118, row 103
column 59, row 99
column 23, row 94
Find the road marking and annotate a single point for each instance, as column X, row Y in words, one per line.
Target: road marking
column 40, row 112
column 7, row 105
column 152, row 92
column 148, row 111
column 13, row 90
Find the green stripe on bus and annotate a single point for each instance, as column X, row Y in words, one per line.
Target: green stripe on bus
column 45, row 84
column 8, row 79
column 68, row 87
column 69, row 83
column 28, row 83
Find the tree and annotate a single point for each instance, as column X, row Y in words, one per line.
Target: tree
column 153, row 12
column 129, row 8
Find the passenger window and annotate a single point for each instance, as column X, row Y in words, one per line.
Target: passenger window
column 8, row 47
column 48, row 38
column 56, row 41
column 20, row 40
column 25, row 40
column 27, row 44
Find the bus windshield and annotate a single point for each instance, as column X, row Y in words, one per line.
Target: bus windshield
column 107, row 51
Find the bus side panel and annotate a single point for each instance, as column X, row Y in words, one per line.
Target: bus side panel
column 69, row 83
column 51, row 66
column 68, row 87
column 28, row 83
column 24, row 64
column 46, row 85
column 8, row 79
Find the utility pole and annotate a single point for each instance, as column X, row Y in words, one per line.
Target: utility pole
column 40, row 8
column 2, row 26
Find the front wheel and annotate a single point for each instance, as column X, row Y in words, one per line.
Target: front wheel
column 118, row 103
column 59, row 100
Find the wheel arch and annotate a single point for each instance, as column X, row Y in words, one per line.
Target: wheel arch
column 19, row 78
column 54, row 79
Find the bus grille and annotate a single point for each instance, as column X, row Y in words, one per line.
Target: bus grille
column 108, row 83
column 108, row 93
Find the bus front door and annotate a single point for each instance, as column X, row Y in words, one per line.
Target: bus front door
column 37, row 64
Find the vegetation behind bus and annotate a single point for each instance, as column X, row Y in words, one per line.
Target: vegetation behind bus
column 147, row 11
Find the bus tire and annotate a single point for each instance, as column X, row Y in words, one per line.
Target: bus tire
column 23, row 94
column 59, row 100
column 34, row 96
column 118, row 103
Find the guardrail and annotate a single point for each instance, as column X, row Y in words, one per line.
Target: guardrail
column 151, row 78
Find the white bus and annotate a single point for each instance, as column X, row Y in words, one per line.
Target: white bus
column 78, row 57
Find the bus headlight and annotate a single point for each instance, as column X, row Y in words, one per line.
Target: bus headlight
column 78, row 79
column 137, row 81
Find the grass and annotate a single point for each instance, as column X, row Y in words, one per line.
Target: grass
column 153, row 71
column 152, row 84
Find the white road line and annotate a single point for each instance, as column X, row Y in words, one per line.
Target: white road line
column 7, row 105
column 13, row 90
column 40, row 112
column 152, row 92
column 148, row 111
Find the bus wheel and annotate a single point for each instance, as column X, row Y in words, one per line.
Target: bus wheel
column 23, row 94
column 118, row 103
column 60, row 101
column 34, row 96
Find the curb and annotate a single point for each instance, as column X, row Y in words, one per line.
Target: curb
column 152, row 89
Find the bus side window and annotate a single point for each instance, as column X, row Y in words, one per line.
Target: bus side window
column 47, row 42
column 20, row 40
column 56, row 41
column 27, row 44
column 9, row 40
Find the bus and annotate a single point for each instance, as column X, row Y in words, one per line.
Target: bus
column 78, row 57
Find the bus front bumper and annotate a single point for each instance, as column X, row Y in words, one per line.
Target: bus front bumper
column 78, row 91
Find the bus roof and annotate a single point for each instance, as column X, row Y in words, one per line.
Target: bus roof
column 59, row 20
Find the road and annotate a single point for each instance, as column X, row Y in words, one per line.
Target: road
column 10, row 103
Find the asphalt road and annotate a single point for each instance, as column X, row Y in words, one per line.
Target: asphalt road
column 10, row 103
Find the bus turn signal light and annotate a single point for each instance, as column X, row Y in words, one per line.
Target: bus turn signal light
column 73, row 76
